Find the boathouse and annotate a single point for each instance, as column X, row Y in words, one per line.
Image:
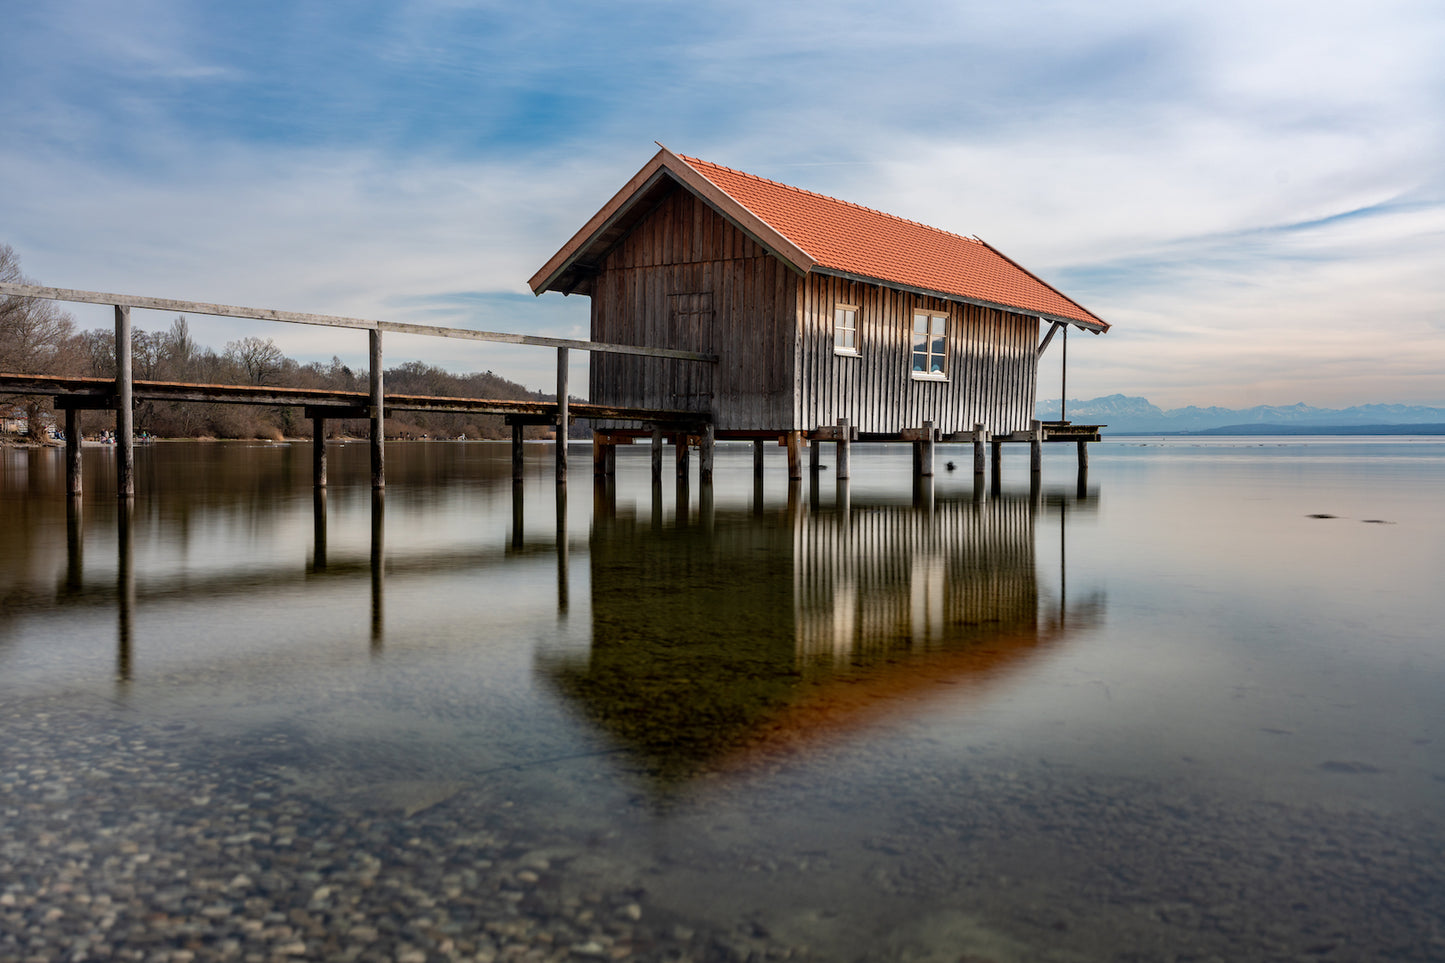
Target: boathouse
column 821, row 313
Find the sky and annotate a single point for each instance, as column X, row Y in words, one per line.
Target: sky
column 1251, row 192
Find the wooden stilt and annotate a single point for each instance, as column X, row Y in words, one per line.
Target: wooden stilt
column 125, row 588
column 815, row 452
column 657, row 456
column 318, row 452
column 844, row 468
column 757, row 458
column 925, row 451
column 1083, row 455
column 518, row 516
column 517, row 463
column 680, row 444
column 124, row 406
column 318, row 529
column 979, row 438
column 599, row 455
column 705, row 459
column 1036, row 448
column 378, row 568
column 378, row 416
column 563, row 580
column 562, row 415
column 73, row 481
column 794, row 441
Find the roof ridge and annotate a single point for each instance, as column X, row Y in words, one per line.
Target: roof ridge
column 836, row 200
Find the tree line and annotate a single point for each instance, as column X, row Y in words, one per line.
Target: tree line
column 38, row 337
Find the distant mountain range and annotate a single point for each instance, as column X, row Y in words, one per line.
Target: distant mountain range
column 1124, row 414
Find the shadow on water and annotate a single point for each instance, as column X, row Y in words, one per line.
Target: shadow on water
column 743, row 632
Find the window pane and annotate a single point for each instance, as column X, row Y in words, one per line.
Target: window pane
column 920, row 361
column 920, row 324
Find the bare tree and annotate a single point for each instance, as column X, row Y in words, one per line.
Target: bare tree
column 260, row 358
column 36, row 337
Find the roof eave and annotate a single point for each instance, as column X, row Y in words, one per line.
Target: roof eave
column 1097, row 326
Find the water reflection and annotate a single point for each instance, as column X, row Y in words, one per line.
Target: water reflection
column 740, row 633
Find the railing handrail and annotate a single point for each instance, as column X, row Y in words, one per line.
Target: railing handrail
column 335, row 321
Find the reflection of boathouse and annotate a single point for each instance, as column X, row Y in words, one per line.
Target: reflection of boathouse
column 760, row 630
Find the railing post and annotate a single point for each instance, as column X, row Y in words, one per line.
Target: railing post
column 561, row 415
column 378, row 416
column 124, row 406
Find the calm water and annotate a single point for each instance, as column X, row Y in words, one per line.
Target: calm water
column 1164, row 714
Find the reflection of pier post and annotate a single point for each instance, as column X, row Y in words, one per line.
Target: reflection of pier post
column 683, row 508
column 125, row 588
column 656, row 504
column 518, row 515
column 923, row 495
column 757, row 494
column 843, row 503
column 318, row 529
column 562, row 587
column 74, row 544
column 562, row 416
column 378, row 568
column 705, row 507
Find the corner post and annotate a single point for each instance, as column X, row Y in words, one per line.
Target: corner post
column 124, row 406
column 72, row 452
column 562, row 419
column 845, row 441
column 378, row 415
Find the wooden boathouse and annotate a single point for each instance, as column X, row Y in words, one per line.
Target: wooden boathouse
column 830, row 321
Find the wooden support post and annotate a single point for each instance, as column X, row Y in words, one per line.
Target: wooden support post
column 125, row 587
column 979, row 437
column 657, row 456
column 1083, row 455
column 757, row 458
column 705, row 460
column 124, row 406
column 996, row 459
column 680, row 444
column 815, row 452
column 925, row 451
column 73, row 482
column 318, row 451
column 564, row 581
column 599, row 455
column 561, row 415
column 378, row 415
column 845, row 441
column 794, row 442
column 517, row 463
column 1036, row 448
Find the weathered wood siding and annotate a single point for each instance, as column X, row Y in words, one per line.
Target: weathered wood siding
column 686, row 278
column 991, row 364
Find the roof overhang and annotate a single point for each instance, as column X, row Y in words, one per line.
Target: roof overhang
column 571, row 269
column 1083, row 325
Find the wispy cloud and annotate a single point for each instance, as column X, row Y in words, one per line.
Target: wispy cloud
column 1252, row 192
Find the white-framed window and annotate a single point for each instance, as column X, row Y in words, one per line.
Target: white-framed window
column 930, row 345
column 845, row 329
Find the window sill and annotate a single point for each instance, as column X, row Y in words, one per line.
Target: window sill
column 928, row 376
column 846, row 352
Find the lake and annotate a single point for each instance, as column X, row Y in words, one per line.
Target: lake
column 1187, row 708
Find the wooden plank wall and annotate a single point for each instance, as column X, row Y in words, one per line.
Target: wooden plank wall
column 686, row 278
column 992, row 364
column 897, row 579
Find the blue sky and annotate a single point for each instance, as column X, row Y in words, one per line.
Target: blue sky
column 1252, row 192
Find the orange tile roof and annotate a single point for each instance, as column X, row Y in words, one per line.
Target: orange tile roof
column 856, row 240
